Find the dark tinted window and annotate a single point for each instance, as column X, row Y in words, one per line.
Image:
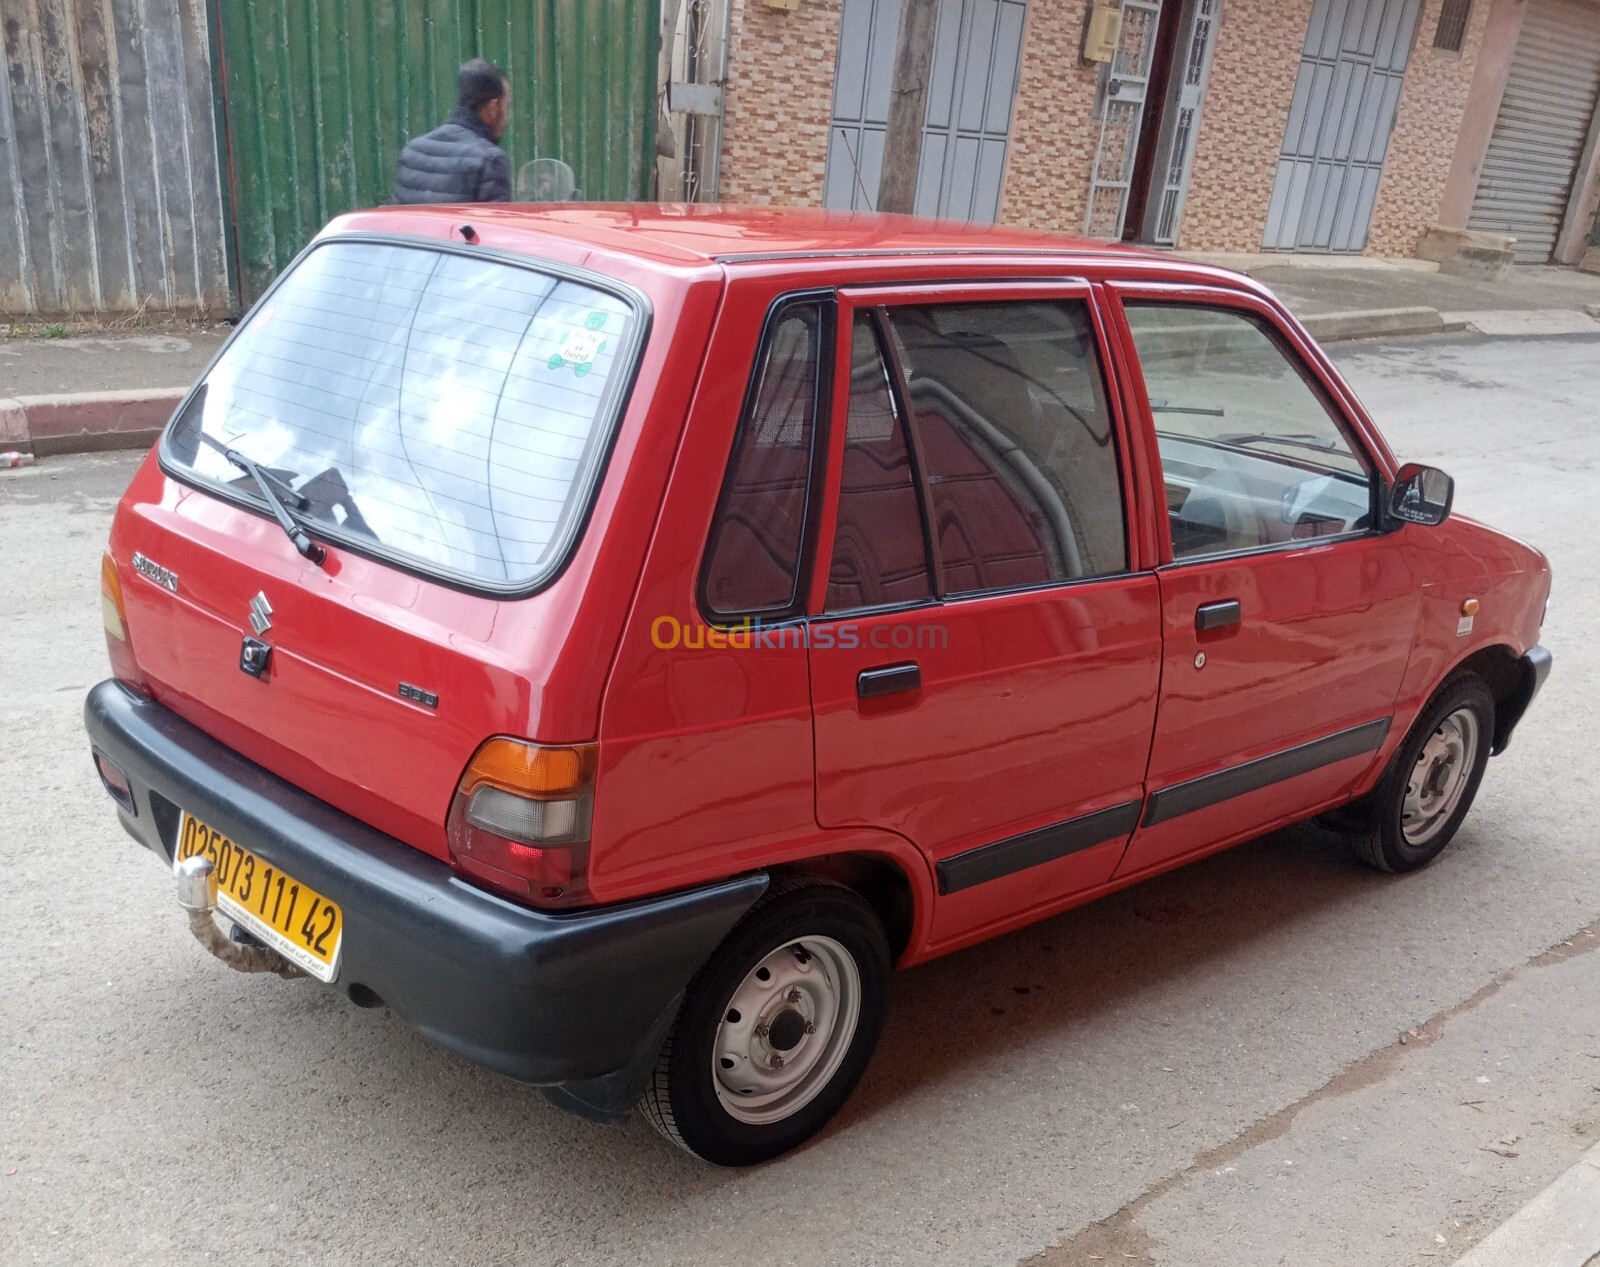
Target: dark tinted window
column 879, row 554
column 753, row 565
column 1016, row 440
column 445, row 408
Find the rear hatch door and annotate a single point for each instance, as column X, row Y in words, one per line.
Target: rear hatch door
column 437, row 420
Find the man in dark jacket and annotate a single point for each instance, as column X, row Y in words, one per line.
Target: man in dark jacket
column 461, row 159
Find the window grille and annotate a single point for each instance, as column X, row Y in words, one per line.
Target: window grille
column 1452, row 27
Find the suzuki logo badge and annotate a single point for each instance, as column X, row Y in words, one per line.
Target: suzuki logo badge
column 260, row 614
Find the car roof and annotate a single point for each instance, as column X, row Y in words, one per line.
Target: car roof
column 689, row 234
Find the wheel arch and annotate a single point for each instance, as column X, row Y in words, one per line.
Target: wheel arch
column 882, row 882
column 1511, row 679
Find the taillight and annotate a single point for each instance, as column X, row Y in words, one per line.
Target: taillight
column 119, row 646
column 520, row 820
column 111, row 609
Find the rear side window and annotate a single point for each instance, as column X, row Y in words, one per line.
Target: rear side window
column 1015, row 440
column 880, row 555
column 446, row 410
column 753, row 563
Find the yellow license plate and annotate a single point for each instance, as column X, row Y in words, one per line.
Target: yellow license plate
column 286, row 914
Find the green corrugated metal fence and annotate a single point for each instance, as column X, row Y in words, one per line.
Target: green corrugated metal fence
column 319, row 96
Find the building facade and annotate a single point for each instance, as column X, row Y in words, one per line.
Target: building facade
column 1338, row 126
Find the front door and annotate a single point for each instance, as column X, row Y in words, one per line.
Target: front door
column 1345, row 99
column 1120, row 108
column 985, row 650
column 972, row 84
column 1161, row 177
column 1288, row 619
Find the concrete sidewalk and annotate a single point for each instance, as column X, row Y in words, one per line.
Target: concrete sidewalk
column 1334, row 283
column 113, row 390
column 1559, row 1228
column 1341, row 297
column 105, row 361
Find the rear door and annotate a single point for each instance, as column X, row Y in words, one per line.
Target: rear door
column 985, row 643
column 1289, row 618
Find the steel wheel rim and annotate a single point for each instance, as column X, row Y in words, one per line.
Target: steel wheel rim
column 1439, row 778
column 784, row 1034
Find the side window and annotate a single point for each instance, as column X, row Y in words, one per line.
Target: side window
column 879, row 552
column 753, row 564
column 1016, row 439
column 1250, row 454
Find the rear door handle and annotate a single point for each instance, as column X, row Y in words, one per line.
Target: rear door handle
column 887, row 679
column 1216, row 615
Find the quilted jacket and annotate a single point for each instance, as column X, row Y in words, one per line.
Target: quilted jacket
column 456, row 162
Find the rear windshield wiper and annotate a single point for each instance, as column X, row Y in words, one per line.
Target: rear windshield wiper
column 265, row 481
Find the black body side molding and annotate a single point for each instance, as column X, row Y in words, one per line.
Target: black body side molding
column 1209, row 789
column 1046, row 844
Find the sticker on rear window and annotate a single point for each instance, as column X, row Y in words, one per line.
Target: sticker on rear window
column 580, row 347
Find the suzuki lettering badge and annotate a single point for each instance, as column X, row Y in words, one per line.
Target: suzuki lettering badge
column 260, row 614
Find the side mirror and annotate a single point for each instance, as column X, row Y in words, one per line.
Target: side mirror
column 1421, row 495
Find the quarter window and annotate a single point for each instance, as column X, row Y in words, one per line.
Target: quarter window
column 1250, row 454
column 1016, row 442
column 753, row 564
column 879, row 551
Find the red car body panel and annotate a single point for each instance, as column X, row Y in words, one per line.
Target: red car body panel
column 716, row 759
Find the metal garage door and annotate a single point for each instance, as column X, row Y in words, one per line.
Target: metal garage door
column 1542, row 126
column 1339, row 123
column 977, row 45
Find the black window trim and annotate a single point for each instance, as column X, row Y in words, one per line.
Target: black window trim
column 608, row 422
column 826, row 301
column 1376, row 484
column 900, row 398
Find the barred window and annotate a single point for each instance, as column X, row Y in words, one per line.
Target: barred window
column 1452, row 29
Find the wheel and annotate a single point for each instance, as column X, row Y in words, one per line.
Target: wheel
column 1413, row 813
column 776, row 1029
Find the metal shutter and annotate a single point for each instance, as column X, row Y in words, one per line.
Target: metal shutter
column 1542, row 126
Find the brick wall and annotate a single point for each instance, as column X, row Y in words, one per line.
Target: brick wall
column 780, row 99
column 778, row 102
column 1253, row 69
column 1424, row 140
column 1053, row 130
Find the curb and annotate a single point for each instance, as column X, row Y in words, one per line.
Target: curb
column 1559, row 1228
column 86, row 421
column 1516, row 322
column 1331, row 327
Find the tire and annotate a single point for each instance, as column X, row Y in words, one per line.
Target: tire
column 1407, row 820
column 716, row 1091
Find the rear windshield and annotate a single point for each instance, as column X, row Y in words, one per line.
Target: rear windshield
column 444, row 409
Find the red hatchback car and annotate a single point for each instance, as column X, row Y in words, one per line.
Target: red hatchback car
column 614, row 637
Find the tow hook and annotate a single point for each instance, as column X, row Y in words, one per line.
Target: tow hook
column 197, row 894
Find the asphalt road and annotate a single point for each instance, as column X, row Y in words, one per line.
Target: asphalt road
column 1204, row 1070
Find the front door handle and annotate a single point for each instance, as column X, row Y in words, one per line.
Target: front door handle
column 1216, row 615
column 887, row 679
